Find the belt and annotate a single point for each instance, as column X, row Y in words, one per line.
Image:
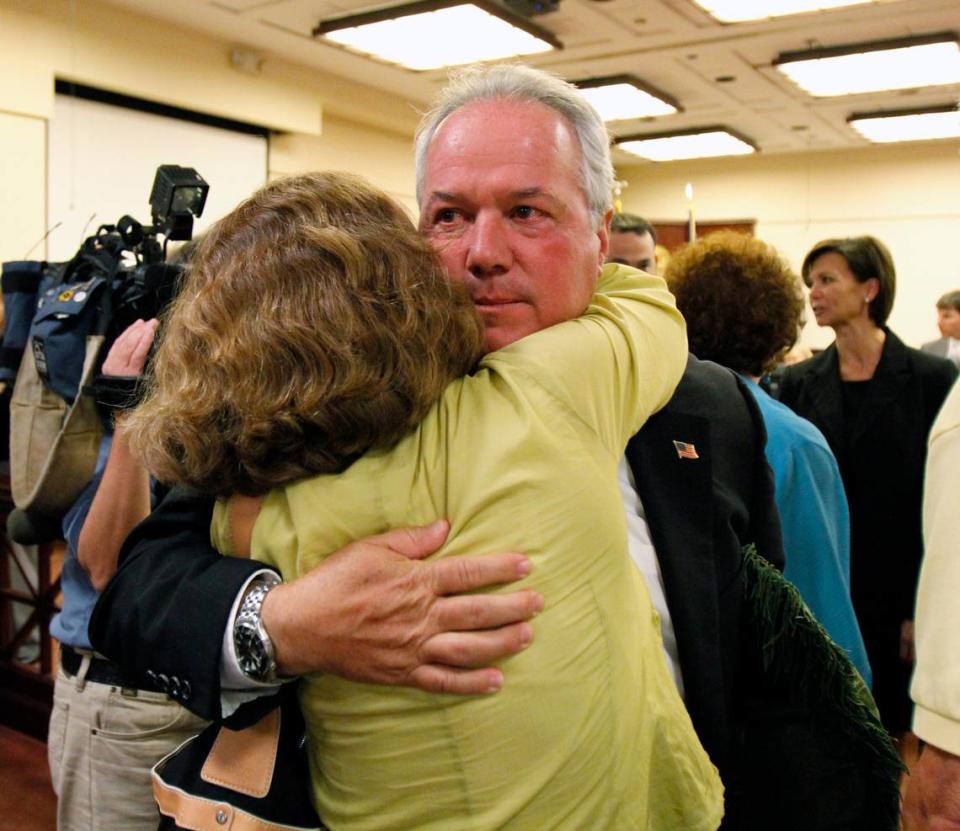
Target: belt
column 102, row 671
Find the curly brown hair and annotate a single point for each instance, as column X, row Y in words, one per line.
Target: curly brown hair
column 313, row 324
column 742, row 302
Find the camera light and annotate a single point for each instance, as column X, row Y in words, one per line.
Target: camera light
column 178, row 195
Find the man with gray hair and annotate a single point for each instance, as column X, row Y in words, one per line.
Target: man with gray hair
column 514, row 182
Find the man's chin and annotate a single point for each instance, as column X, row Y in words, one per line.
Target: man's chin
column 497, row 337
column 505, row 324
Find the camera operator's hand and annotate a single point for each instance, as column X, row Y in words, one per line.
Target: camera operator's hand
column 128, row 355
column 123, row 495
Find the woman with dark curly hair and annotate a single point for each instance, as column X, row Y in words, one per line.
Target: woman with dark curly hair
column 744, row 306
column 875, row 400
column 317, row 334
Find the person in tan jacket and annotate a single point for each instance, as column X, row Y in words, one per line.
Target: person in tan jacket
column 933, row 790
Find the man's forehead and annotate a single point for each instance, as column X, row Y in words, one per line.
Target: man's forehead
column 508, row 193
column 518, row 148
column 502, row 124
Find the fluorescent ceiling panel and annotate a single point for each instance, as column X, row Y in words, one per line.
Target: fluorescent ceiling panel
column 737, row 11
column 929, row 64
column 435, row 39
column 909, row 126
column 618, row 102
column 691, row 146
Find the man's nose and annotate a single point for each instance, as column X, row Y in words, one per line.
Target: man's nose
column 489, row 250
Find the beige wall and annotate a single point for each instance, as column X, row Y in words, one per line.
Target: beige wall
column 908, row 195
column 23, row 195
column 386, row 158
column 112, row 49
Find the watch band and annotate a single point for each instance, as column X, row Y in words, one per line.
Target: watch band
column 255, row 652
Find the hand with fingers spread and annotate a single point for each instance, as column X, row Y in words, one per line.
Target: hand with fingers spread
column 375, row 612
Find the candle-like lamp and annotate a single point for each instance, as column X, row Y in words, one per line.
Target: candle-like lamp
column 691, row 222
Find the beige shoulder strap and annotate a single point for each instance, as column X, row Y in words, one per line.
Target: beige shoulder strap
column 242, row 513
column 243, row 760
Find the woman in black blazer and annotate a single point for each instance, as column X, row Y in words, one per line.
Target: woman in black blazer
column 874, row 399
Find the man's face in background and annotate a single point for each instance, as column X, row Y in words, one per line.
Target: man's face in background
column 948, row 321
column 637, row 250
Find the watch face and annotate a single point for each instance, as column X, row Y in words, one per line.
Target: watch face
column 250, row 652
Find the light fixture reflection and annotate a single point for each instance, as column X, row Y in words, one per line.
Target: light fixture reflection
column 622, row 97
column 909, row 125
column 846, row 71
column 422, row 36
column 738, row 11
column 694, row 145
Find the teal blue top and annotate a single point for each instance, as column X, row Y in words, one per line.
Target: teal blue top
column 815, row 521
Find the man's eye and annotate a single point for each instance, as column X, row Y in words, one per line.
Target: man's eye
column 445, row 216
column 525, row 212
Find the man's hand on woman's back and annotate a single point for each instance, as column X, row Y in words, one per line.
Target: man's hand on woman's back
column 375, row 612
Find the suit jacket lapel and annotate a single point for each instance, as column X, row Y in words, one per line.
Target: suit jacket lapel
column 891, row 376
column 677, row 497
column 827, row 395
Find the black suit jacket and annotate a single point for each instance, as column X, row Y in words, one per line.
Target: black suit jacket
column 882, row 463
column 167, row 607
column 163, row 615
column 701, row 513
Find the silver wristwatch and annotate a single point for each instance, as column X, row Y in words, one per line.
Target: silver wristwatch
column 255, row 653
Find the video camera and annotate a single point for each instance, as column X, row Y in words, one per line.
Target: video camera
column 143, row 287
column 119, row 275
column 61, row 319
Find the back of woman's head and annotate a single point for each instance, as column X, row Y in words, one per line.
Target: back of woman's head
column 313, row 324
column 742, row 302
column 868, row 258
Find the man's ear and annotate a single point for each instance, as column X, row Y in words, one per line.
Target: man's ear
column 603, row 234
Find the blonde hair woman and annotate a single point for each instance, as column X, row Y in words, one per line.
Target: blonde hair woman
column 316, row 334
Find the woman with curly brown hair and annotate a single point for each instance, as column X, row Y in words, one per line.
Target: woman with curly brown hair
column 317, row 334
column 744, row 306
column 875, row 400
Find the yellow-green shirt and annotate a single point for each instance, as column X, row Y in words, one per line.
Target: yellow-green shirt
column 588, row 731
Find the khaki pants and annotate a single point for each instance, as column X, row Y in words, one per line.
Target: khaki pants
column 103, row 741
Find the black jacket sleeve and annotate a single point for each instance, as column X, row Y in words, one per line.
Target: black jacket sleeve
column 166, row 609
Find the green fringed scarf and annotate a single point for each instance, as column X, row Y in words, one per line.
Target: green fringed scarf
column 834, row 731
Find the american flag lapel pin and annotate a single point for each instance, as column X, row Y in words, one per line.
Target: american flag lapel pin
column 685, row 450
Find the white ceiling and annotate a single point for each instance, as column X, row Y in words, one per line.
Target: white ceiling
column 671, row 44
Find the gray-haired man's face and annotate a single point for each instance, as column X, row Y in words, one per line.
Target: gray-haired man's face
column 505, row 210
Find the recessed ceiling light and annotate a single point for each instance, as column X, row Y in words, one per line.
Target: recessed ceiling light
column 737, row 11
column 620, row 97
column 895, row 64
column 432, row 34
column 908, row 125
column 691, row 144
